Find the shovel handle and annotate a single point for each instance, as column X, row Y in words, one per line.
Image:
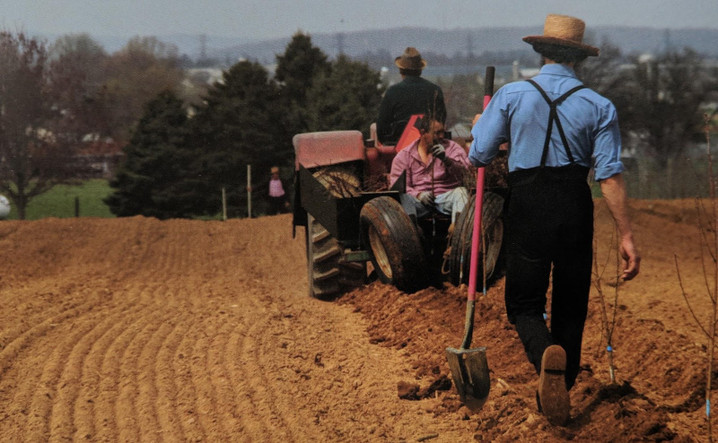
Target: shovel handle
column 478, row 208
column 476, row 234
column 488, row 85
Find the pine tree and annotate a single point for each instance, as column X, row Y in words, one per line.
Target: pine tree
column 296, row 71
column 243, row 123
column 300, row 64
column 345, row 97
column 155, row 179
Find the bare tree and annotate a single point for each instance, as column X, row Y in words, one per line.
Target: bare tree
column 707, row 222
column 135, row 75
column 77, row 68
column 663, row 101
column 33, row 157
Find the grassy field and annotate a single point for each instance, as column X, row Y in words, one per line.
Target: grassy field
column 61, row 201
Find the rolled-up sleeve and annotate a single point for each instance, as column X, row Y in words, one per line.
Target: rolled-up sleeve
column 489, row 132
column 607, row 147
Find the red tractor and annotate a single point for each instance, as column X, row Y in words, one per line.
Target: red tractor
column 352, row 218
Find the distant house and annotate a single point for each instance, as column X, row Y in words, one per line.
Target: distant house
column 97, row 158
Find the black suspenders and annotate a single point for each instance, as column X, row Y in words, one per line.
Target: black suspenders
column 553, row 117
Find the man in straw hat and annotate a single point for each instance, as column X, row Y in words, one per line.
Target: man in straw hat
column 413, row 95
column 557, row 129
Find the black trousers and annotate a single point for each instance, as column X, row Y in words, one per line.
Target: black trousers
column 277, row 205
column 550, row 236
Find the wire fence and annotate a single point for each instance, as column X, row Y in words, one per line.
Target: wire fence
column 683, row 177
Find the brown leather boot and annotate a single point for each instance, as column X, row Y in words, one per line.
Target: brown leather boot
column 552, row 392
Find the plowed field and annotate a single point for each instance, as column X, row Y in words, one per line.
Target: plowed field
column 136, row 329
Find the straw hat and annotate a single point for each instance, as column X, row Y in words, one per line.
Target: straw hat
column 274, row 170
column 410, row 59
column 563, row 30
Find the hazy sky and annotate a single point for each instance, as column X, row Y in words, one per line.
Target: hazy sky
column 263, row 19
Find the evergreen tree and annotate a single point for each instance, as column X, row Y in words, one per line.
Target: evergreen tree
column 242, row 123
column 300, row 64
column 154, row 180
column 345, row 97
column 296, row 71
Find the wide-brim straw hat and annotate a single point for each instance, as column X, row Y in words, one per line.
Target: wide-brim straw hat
column 563, row 30
column 410, row 59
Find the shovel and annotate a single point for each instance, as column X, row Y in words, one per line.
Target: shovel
column 469, row 368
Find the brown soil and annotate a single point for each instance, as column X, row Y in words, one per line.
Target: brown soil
column 136, row 329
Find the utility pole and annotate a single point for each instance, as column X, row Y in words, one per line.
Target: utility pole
column 203, row 47
column 340, row 39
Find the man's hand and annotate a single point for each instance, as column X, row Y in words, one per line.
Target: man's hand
column 438, row 151
column 614, row 192
column 426, row 198
column 631, row 259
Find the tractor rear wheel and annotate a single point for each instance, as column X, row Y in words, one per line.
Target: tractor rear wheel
column 328, row 274
column 492, row 227
column 397, row 254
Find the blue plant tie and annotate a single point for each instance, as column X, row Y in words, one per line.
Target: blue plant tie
column 708, row 408
column 609, row 348
column 545, row 317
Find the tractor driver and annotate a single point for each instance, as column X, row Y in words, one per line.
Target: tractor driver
column 435, row 169
column 413, row 95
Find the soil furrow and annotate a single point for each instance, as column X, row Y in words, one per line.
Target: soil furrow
column 250, row 422
column 71, row 417
column 147, row 393
column 16, row 345
column 184, row 369
column 130, row 371
column 171, row 427
column 223, row 392
column 49, row 393
column 119, row 319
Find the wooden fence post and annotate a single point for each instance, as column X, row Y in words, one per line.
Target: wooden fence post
column 249, row 191
column 224, row 204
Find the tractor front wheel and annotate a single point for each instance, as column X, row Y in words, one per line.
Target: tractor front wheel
column 397, row 254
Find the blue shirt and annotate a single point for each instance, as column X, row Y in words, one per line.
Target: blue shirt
column 518, row 114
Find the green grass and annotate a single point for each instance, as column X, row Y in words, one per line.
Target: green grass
column 60, row 201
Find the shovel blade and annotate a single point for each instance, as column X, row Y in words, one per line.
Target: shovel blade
column 470, row 372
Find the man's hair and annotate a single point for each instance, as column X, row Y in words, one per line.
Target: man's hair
column 410, row 72
column 559, row 53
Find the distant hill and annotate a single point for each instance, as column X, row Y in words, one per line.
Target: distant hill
column 461, row 41
column 446, row 42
